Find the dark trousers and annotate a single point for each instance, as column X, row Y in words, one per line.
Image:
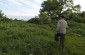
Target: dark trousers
column 61, row 37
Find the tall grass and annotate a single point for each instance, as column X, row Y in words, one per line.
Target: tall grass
column 21, row 38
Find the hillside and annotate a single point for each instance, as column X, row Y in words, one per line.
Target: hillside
column 21, row 38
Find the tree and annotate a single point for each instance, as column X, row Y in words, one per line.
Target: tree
column 3, row 17
column 44, row 18
column 35, row 20
column 55, row 8
column 82, row 14
column 1, row 14
column 68, row 14
column 51, row 8
column 77, row 8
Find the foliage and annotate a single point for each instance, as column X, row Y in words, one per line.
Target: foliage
column 77, row 17
column 21, row 38
column 34, row 20
column 77, row 8
column 68, row 14
column 44, row 18
column 3, row 17
column 54, row 8
column 1, row 14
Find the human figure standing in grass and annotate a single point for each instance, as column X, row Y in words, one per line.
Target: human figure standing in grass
column 61, row 31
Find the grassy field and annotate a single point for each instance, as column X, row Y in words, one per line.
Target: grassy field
column 21, row 38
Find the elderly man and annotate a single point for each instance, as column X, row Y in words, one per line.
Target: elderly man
column 61, row 30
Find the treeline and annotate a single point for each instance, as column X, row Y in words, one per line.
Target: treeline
column 52, row 9
column 4, row 18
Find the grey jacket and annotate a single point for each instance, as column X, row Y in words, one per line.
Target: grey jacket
column 61, row 26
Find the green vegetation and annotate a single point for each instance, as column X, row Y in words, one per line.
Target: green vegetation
column 21, row 38
column 3, row 17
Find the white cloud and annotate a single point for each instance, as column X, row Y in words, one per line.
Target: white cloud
column 1, row 3
column 39, row 1
column 28, row 13
column 27, row 10
column 29, row 3
column 20, row 14
column 21, row 7
column 14, row 2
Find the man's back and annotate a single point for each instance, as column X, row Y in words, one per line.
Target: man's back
column 61, row 26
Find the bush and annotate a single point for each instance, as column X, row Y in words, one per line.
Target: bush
column 5, row 20
column 34, row 20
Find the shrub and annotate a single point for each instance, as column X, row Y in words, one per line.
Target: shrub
column 34, row 20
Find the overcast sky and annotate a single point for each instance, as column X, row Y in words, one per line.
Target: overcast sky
column 20, row 7
column 27, row 7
